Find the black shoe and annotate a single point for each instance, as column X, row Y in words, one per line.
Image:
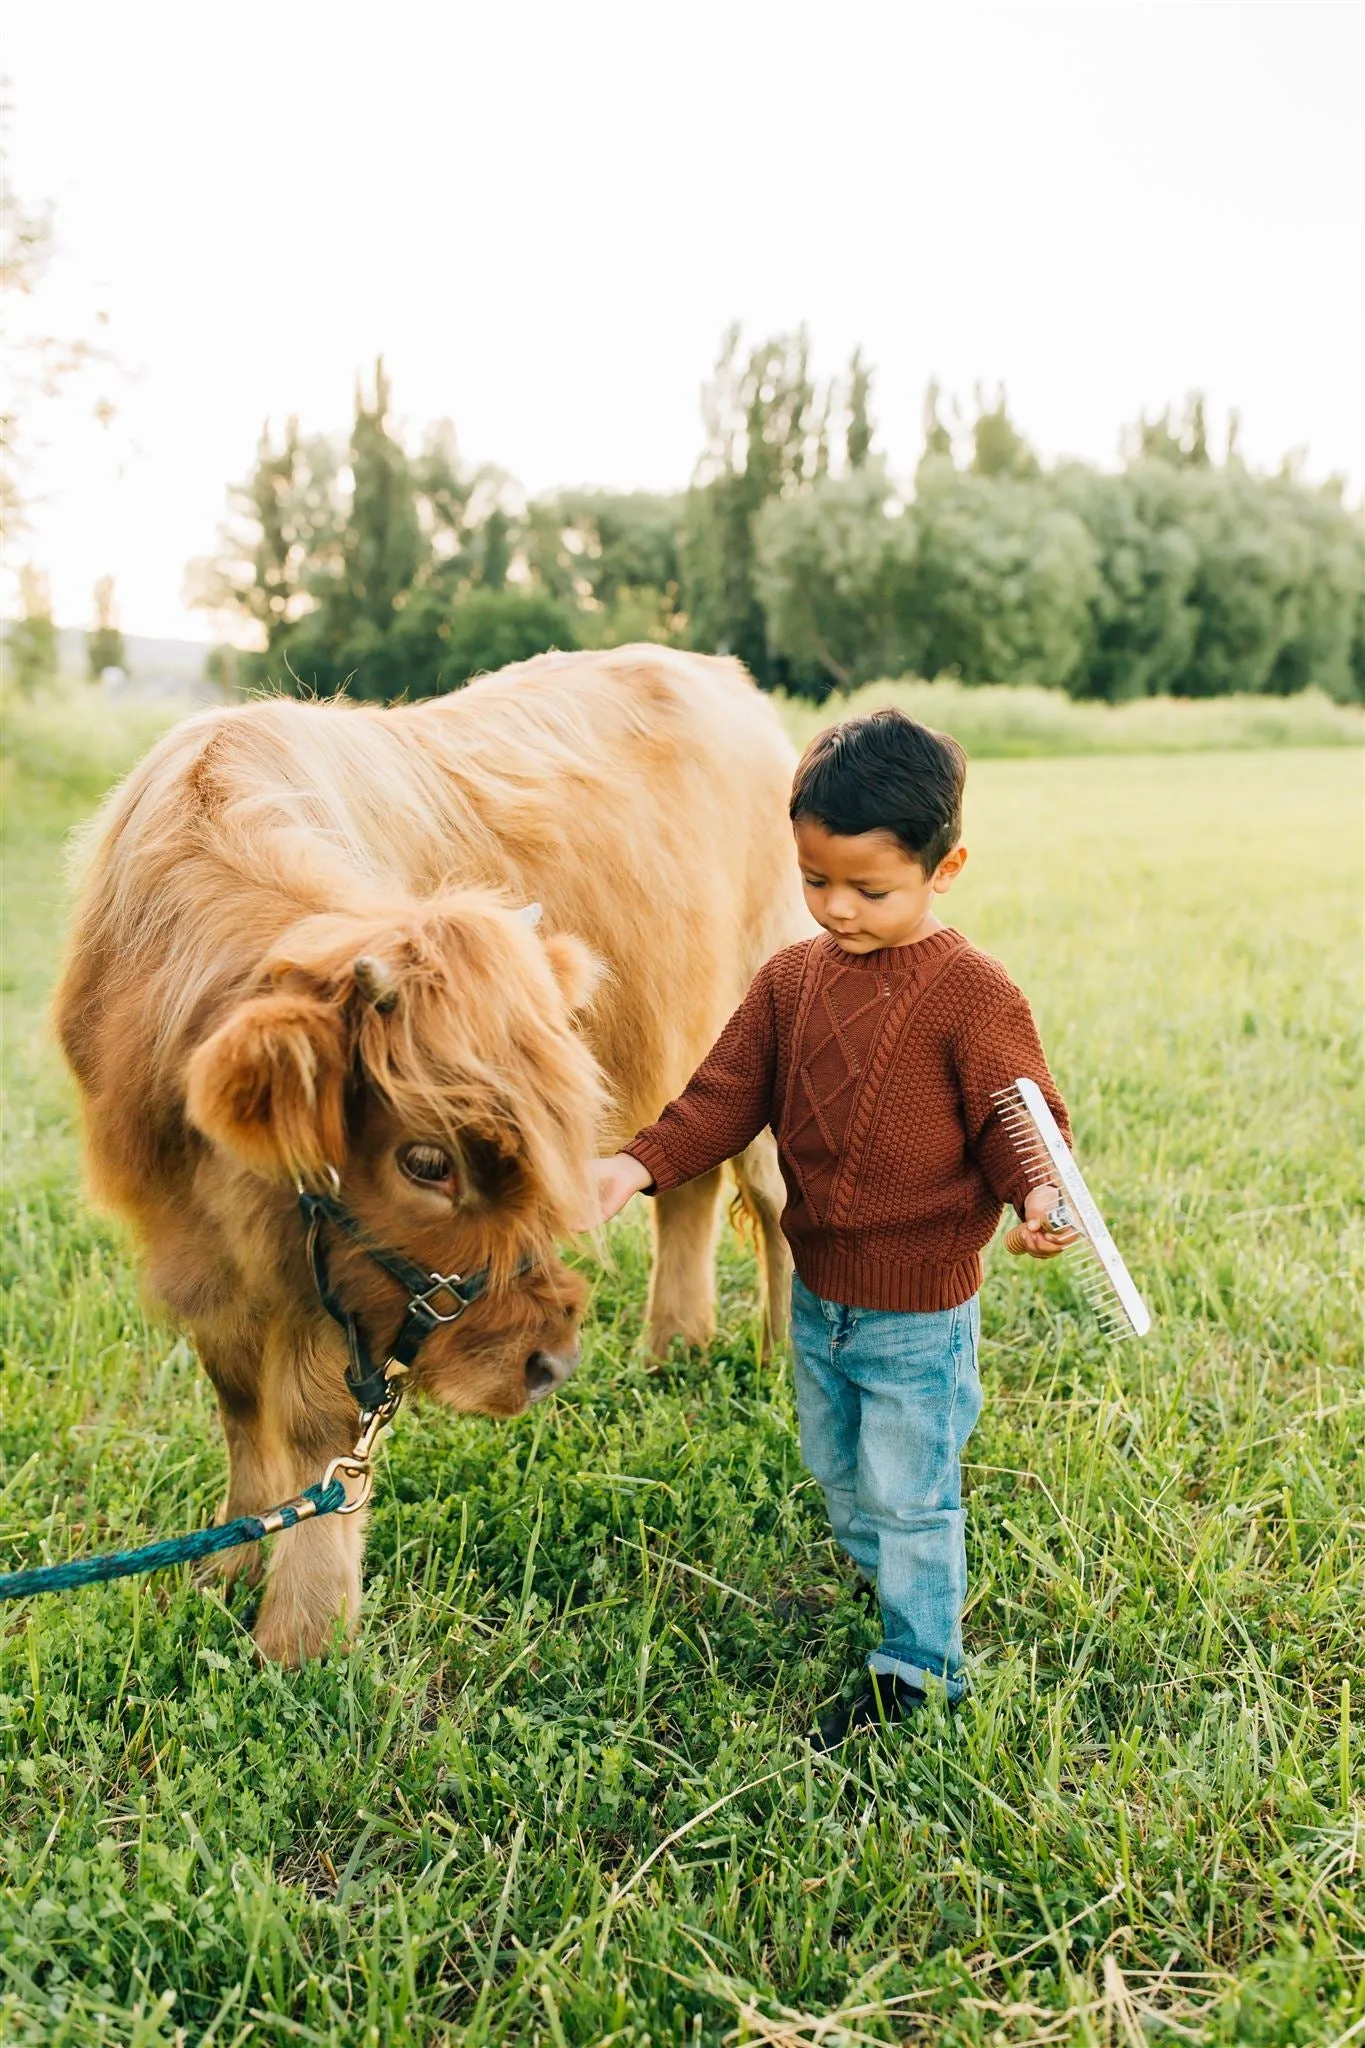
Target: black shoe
column 884, row 1698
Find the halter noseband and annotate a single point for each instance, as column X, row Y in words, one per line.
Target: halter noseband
column 370, row 1384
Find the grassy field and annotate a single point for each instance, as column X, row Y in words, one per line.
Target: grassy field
column 82, row 735
column 559, row 1792
column 1008, row 721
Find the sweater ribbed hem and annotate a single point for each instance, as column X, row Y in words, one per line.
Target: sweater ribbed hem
column 871, row 1283
column 662, row 1173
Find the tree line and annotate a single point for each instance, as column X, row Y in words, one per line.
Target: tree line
column 384, row 569
column 39, row 365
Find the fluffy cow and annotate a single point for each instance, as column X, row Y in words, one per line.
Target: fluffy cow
column 303, row 958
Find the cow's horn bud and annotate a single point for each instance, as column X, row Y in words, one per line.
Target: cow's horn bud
column 375, row 982
column 531, row 913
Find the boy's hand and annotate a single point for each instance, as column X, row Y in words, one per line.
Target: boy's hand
column 618, row 1178
column 1032, row 1237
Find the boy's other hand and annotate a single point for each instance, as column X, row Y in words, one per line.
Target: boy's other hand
column 1032, row 1237
column 618, row 1178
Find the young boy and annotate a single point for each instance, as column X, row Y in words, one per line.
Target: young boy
column 873, row 1051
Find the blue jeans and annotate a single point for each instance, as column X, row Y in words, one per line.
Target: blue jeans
column 886, row 1403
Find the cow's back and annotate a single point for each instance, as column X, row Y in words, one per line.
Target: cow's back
column 639, row 794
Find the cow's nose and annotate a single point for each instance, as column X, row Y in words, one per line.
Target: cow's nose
column 546, row 1370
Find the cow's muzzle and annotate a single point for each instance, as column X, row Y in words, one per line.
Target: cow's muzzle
column 546, row 1370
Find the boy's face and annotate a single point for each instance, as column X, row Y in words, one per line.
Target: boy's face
column 866, row 890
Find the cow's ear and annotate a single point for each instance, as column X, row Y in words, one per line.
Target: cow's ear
column 269, row 1086
column 576, row 968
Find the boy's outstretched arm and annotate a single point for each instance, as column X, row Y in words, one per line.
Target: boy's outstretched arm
column 721, row 1110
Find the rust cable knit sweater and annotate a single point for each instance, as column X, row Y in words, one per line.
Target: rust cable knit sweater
column 875, row 1072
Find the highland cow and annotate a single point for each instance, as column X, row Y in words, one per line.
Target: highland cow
column 303, row 958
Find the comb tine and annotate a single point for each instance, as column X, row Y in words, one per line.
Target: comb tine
column 1045, row 1158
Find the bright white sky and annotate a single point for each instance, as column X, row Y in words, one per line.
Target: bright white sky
column 545, row 216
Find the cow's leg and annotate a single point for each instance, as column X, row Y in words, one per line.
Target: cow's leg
column 313, row 1572
column 764, row 1196
column 682, row 1287
column 233, row 1363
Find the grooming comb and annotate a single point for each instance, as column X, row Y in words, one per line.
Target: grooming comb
column 1046, row 1159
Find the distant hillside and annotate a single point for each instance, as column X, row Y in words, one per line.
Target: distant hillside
column 148, row 659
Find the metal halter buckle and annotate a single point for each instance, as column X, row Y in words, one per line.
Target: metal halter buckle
column 356, row 1463
column 450, row 1283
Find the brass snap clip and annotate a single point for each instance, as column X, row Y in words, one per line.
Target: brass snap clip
column 356, row 1463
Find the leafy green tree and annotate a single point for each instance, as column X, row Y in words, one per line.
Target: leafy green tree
column 391, row 574
column 765, row 435
column 38, row 364
column 104, row 646
column 497, row 549
column 1144, row 620
column 638, row 612
column 491, row 628
column 614, row 556
column 280, row 549
column 982, row 577
column 858, row 431
column 383, row 545
column 452, row 504
column 1182, row 445
column 1004, row 581
column 1214, row 580
column 31, row 644
column 1322, row 619
column 938, row 438
column 25, row 249
column 1279, row 573
column 836, row 575
column 354, row 589
column 998, row 448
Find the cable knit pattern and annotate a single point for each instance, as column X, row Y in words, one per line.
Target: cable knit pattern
column 876, row 1073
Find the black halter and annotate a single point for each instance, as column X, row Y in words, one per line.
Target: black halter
column 368, row 1382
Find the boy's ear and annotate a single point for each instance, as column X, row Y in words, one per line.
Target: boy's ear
column 269, row 1085
column 948, row 869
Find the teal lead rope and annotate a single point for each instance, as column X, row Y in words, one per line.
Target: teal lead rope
column 378, row 1390
column 322, row 1499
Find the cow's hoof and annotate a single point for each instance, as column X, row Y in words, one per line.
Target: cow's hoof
column 285, row 1636
column 670, row 1340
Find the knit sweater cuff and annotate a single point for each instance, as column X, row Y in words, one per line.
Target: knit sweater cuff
column 662, row 1173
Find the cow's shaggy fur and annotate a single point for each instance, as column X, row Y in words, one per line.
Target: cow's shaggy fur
column 298, row 951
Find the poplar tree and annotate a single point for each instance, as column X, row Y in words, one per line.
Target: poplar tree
column 31, row 644
column 104, row 645
column 858, row 433
column 763, row 438
column 938, row 439
column 383, row 546
column 998, row 448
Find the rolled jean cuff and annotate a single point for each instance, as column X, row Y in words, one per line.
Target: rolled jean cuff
column 956, row 1687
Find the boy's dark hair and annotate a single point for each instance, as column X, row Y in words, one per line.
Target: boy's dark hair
column 885, row 773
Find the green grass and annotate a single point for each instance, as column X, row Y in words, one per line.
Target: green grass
column 559, row 1791
column 1009, row 722
column 72, row 742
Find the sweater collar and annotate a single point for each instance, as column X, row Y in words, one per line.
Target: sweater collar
column 893, row 959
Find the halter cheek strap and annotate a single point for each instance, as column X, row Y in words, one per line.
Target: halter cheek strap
column 433, row 1299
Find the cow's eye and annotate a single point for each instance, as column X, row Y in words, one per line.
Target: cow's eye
column 426, row 1163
